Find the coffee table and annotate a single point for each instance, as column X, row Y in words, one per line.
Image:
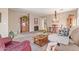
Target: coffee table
column 41, row 40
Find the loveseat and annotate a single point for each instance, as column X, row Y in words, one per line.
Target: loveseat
column 6, row 44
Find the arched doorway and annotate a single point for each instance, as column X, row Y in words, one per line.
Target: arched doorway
column 24, row 24
column 70, row 20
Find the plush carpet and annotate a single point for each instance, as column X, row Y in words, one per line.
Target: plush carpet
column 29, row 36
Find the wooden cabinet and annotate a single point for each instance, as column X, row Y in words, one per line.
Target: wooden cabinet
column 41, row 40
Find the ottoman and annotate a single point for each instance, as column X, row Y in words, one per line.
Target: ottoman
column 51, row 46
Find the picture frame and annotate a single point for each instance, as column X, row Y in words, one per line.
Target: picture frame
column 0, row 17
column 35, row 20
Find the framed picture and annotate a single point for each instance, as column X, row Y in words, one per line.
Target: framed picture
column 0, row 17
column 35, row 20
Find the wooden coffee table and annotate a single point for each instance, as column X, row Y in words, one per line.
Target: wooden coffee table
column 41, row 40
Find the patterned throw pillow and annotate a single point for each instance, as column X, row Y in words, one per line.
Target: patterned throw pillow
column 64, row 32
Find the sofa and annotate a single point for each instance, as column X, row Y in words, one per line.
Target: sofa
column 6, row 44
column 59, row 39
column 75, row 35
column 73, row 44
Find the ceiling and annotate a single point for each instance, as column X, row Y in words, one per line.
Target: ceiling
column 43, row 11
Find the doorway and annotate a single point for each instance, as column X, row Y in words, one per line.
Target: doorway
column 24, row 24
column 70, row 20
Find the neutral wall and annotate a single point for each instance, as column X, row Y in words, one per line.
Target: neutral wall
column 14, row 20
column 4, row 22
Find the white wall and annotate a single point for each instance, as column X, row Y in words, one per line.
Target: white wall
column 4, row 22
column 14, row 20
column 42, row 22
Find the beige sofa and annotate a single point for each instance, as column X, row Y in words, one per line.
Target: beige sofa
column 73, row 42
column 75, row 35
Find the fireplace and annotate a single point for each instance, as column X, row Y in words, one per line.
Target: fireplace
column 36, row 28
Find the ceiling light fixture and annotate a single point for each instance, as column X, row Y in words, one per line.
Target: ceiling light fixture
column 55, row 15
column 55, row 19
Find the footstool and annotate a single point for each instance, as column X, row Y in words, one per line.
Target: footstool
column 52, row 46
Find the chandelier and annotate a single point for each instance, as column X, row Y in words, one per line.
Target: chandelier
column 55, row 19
column 55, row 15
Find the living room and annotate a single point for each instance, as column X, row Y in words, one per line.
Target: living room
column 37, row 18
column 23, row 24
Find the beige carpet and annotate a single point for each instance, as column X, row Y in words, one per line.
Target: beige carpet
column 29, row 36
